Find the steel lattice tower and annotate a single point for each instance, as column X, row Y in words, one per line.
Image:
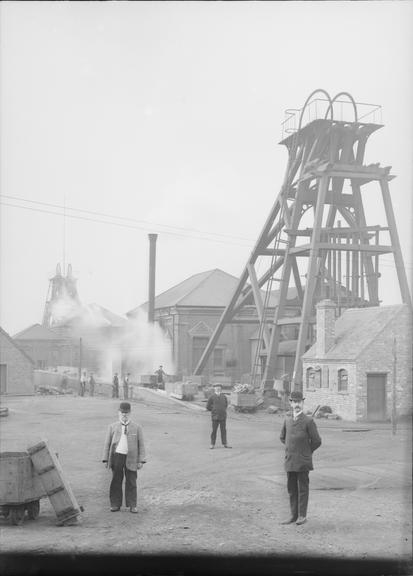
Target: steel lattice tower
column 317, row 230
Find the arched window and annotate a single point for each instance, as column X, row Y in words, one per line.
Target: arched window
column 317, row 377
column 342, row 380
column 310, row 377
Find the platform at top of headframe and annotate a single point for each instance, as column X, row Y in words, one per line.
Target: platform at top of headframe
column 319, row 112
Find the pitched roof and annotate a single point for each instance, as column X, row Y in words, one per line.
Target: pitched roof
column 36, row 332
column 211, row 288
column 106, row 316
column 355, row 329
column 92, row 316
column 15, row 344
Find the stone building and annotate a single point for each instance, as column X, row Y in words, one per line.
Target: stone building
column 188, row 314
column 91, row 338
column 16, row 367
column 48, row 347
column 361, row 362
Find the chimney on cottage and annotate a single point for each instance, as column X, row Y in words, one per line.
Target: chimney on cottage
column 326, row 317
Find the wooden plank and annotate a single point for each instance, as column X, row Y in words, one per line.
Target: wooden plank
column 272, row 252
column 19, row 482
column 259, row 303
column 398, row 258
column 380, row 249
column 54, row 482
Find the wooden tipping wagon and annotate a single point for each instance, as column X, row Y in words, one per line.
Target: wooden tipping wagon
column 56, row 487
column 20, row 487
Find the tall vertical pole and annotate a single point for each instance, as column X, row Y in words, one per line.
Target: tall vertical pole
column 80, row 358
column 394, row 398
column 152, row 268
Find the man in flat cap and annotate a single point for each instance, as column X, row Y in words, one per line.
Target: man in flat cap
column 124, row 454
column 300, row 436
column 217, row 404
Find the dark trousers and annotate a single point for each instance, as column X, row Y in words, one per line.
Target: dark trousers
column 115, row 391
column 119, row 470
column 223, row 426
column 298, row 487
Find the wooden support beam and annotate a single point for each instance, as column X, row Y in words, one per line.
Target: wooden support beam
column 272, row 252
column 258, row 302
column 398, row 258
column 311, row 282
column 338, row 231
column 372, row 248
column 310, row 197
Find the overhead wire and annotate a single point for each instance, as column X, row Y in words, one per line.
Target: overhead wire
column 65, row 208
column 122, row 225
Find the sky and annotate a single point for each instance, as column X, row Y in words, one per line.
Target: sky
column 120, row 119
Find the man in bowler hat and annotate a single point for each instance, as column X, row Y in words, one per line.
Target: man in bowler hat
column 300, row 436
column 124, row 454
column 217, row 405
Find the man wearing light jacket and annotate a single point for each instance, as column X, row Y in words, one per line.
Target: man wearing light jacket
column 124, row 454
column 300, row 436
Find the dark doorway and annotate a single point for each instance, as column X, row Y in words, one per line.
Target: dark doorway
column 376, row 396
column 3, row 378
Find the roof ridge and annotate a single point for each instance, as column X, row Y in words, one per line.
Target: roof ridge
column 207, row 275
column 16, row 345
column 24, row 329
column 392, row 317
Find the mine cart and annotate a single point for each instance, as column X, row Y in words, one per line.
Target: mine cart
column 20, row 487
column 243, row 402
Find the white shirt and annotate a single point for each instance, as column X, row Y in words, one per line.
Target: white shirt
column 122, row 447
column 296, row 415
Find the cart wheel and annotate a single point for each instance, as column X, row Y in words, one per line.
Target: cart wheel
column 33, row 509
column 17, row 515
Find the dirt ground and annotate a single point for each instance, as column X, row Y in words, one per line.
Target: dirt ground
column 193, row 500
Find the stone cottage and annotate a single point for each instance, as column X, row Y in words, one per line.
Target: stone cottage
column 361, row 362
column 16, row 367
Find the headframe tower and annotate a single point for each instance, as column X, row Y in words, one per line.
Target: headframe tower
column 317, row 230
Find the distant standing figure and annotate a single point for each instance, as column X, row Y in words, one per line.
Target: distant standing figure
column 115, row 386
column 92, row 383
column 124, row 454
column 217, row 404
column 161, row 377
column 83, row 381
column 126, row 386
column 300, row 436
column 65, row 382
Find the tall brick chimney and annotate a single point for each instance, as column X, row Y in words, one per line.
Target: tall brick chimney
column 326, row 317
column 152, row 269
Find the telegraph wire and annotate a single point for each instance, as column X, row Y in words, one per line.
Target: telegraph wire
column 385, row 263
column 128, row 219
column 142, row 228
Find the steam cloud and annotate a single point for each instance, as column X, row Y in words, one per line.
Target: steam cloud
column 116, row 343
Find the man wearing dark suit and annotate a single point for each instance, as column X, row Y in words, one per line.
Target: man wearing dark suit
column 124, row 454
column 115, row 386
column 217, row 405
column 300, row 436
